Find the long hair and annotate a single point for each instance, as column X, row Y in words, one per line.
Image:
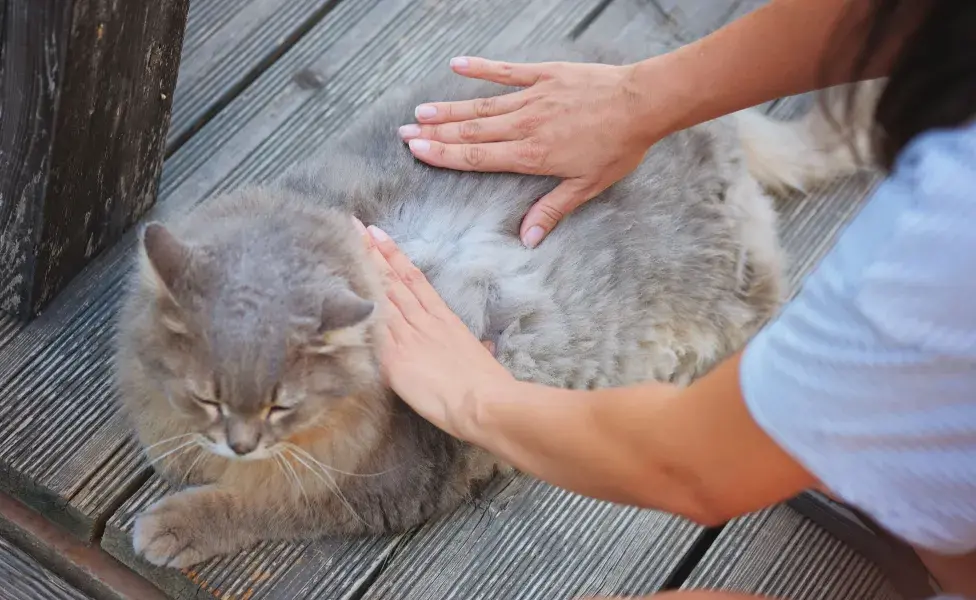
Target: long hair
column 930, row 46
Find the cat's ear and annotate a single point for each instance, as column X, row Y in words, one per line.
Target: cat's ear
column 342, row 309
column 166, row 257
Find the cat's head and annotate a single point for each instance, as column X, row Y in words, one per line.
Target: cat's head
column 256, row 333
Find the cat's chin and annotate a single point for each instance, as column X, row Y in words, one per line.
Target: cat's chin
column 224, row 451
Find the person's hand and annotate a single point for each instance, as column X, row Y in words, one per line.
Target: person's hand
column 427, row 355
column 585, row 123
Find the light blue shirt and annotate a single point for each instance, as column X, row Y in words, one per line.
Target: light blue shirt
column 868, row 377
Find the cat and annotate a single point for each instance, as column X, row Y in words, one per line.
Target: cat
column 246, row 358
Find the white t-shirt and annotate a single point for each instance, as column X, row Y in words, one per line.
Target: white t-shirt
column 868, row 377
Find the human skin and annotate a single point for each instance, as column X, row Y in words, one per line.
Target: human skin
column 591, row 124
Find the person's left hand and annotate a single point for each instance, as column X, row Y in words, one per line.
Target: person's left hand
column 427, row 355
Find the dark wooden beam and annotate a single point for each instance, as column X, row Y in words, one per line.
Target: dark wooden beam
column 86, row 88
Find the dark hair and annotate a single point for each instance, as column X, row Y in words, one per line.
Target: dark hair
column 930, row 46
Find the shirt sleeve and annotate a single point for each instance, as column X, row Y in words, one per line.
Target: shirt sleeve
column 868, row 377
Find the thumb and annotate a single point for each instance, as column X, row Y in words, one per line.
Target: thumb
column 546, row 213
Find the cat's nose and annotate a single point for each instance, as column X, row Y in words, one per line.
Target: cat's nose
column 242, row 447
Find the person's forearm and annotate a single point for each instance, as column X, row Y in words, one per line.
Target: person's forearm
column 774, row 51
column 694, row 452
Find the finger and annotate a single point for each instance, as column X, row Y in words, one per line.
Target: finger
column 465, row 110
column 507, row 157
column 361, row 229
column 546, row 213
column 502, row 128
column 505, row 73
column 415, row 287
column 399, row 295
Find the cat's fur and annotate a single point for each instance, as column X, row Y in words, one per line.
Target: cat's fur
column 263, row 297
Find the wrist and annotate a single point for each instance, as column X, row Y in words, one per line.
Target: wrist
column 661, row 99
column 478, row 425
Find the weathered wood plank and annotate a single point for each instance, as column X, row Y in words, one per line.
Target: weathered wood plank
column 227, row 44
column 779, row 553
column 693, row 19
column 631, row 24
column 26, row 579
column 532, row 541
column 85, row 94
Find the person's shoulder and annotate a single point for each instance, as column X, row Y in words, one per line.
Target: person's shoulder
column 940, row 164
column 918, row 290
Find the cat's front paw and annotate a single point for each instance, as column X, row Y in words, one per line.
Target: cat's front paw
column 171, row 533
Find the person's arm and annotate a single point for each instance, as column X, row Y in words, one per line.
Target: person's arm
column 591, row 124
column 777, row 50
column 695, row 451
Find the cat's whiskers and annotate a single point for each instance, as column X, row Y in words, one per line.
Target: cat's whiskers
column 289, row 472
column 321, row 464
column 169, row 439
column 201, row 452
column 193, row 442
column 326, row 478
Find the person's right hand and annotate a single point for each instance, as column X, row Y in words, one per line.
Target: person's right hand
column 585, row 123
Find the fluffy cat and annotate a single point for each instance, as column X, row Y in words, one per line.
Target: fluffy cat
column 245, row 354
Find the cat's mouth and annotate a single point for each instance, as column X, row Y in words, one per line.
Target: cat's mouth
column 261, row 452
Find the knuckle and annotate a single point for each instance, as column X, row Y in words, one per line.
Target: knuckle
column 529, row 124
column 484, row 107
column 468, row 131
column 532, row 154
column 474, row 155
column 551, row 212
column 413, row 275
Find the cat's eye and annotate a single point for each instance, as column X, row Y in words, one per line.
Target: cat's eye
column 207, row 402
column 277, row 410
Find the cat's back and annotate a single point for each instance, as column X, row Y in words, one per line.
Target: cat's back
column 639, row 281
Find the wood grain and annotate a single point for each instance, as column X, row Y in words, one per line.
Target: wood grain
column 26, row 579
column 228, row 44
column 534, row 542
column 779, row 553
column 85, row 94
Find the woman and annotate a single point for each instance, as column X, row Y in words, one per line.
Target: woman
column 865, row 385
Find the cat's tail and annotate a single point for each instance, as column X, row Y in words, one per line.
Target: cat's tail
column 817, row 147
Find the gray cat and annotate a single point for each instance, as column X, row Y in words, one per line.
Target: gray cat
column 246, row 358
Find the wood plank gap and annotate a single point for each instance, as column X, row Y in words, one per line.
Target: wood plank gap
column 87, row 568
column 588, row 19
column 366, row 583
column 98, row 529
column 694, row 556
column 250, row 77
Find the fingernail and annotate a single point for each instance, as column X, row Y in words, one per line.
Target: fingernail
column 425, row 111
column 533, row 236
column 419, row 145
column 378, row 234
column 459, row 62
column 409, row 131
column 359, row 225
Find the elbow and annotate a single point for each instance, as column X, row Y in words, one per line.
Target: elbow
column 685, row 497
column 705, row 517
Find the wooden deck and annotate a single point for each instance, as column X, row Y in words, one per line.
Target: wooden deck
column 262, row 83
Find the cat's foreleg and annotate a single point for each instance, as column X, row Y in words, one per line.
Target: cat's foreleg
column 200, row 523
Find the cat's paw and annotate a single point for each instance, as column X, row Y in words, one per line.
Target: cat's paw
column 170, row 533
